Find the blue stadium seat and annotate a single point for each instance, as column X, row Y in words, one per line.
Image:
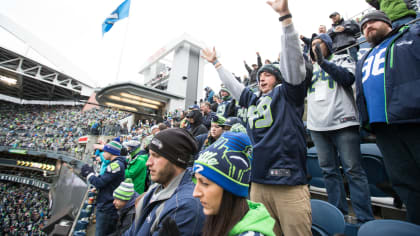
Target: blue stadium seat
column 312, row 165
column 374, row 167
column 388, row 228
column 326, row 218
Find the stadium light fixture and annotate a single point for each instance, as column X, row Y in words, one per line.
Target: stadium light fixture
column 141, row 99
column 134, row 102
column 8, row 80
column 120, row 106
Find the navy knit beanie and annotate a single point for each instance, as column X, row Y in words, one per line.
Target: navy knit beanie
column 227, row 162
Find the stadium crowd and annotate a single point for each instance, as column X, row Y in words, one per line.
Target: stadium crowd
column 23, row 208
column 235, row 164
column 210, row 142
column 55, row 128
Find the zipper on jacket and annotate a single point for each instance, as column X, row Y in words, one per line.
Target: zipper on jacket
column 391, row 48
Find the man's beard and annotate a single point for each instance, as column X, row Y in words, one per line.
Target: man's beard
column 165, row 175
column 376, row 37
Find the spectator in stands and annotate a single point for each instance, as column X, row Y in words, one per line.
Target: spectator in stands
column 216, row 103
column 334, row 126
column 208, row 114
column 162, row 126
column 245, row 80
column 96, row 127
column 209, row 94
column 136, row 167
column 106, row 213
column 227, row 107
column 253, row 72
column 124, row 199
column 279, row 147
column 216, row 130
column 229, row 122
column 223, row 192
column 322, row 29
column 196, row 127
column 171, row 197
column 398, row 11
column 344, row 33
column 387, row 87
column 146, row 141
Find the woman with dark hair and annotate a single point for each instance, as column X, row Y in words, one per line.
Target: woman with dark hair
column 216, row 130
column 223, row 172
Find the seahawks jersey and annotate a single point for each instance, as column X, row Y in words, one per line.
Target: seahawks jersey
column 331, row 106
column 276, row 131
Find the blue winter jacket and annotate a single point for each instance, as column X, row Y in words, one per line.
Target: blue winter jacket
column 179, row 204
column 401, row 79
column 107, row 183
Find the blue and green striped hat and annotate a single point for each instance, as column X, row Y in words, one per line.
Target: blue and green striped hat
column 125, row 190
column 227, row 162
column 113, row 147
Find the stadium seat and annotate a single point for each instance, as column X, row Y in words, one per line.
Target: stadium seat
column 388, row 228
column 326, row 218
column 375, row 171
column 313, row 168
column 379, row 184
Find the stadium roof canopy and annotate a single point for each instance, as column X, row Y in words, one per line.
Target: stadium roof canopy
column 135, row 98
column 23, row 79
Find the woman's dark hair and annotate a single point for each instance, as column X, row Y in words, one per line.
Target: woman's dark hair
column 232, row 210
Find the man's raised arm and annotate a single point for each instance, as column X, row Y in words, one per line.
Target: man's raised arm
column 292, row 64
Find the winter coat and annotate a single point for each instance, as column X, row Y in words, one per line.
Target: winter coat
column 257, row 220
column 107, row 183
column 175, row 201
column 401, row 78
column 126, row 216
column 394, row 9
column 137, row 171
column 345, row 38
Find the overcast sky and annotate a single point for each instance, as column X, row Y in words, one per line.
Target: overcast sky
column 238, row 29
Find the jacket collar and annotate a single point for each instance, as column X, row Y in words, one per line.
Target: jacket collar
column 161, row 193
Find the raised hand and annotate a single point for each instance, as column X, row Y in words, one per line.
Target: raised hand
column 280, row 6
column 339, row 29
column 209, row 55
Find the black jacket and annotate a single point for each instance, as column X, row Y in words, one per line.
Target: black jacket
column 345, row 38
column 197, row 127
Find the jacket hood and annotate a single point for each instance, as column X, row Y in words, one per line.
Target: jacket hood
column 326, row 39
column 257, row 219
column 228, row 97
column 196, row 115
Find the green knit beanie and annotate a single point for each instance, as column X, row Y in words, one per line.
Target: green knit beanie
column 218, row 119
column 125, row 190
